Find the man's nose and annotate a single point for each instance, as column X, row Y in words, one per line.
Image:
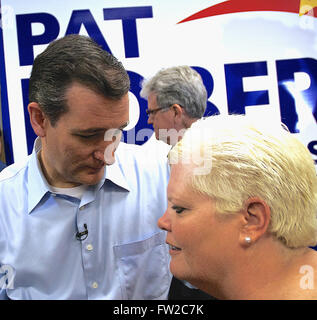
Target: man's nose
column 99, row 153
column 149, row 120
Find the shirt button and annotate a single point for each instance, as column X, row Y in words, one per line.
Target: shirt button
column 95, row 285
column 89, row 247
column 82, row 208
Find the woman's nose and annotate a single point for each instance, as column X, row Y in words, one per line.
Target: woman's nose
column 164, row 222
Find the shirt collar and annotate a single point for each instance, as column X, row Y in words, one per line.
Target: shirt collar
column 37, row 184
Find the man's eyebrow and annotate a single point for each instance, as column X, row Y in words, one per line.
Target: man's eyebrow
column 97, row 130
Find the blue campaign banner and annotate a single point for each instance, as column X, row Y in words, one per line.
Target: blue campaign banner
column 255, row 57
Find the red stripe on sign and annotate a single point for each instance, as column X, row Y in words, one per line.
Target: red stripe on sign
column 234, row 6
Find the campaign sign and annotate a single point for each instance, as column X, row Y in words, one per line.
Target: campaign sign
column 255, row 57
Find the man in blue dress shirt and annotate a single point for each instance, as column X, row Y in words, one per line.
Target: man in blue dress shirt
column 71, row 225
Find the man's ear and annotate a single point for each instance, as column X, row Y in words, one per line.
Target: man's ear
column 256, row 217
column 178, row 111
column 37, row 119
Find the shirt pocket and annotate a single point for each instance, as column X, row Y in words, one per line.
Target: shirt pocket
column 144, row 268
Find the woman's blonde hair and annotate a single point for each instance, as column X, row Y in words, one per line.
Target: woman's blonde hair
column 243, row 158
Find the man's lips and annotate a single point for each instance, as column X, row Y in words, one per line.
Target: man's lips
column 98, row 168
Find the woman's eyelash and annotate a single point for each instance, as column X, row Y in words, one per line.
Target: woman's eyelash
column 178, row 209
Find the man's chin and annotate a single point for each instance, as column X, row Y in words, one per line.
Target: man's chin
column 92, row 176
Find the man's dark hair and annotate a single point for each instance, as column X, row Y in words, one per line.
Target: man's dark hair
column 74, row 58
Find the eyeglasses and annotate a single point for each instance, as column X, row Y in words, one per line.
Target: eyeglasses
column 154, row 111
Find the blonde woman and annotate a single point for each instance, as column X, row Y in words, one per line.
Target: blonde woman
column 242, row 204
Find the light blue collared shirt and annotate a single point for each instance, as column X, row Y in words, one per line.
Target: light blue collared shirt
column 124, row 255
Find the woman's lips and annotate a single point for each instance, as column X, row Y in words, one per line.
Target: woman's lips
column 173, row 248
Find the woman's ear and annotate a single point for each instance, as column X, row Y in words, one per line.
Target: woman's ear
column 37, row 119
column 256, row 217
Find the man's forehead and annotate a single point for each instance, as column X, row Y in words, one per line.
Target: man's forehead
column 75, row 91
column 152, row 99
column 89, row 106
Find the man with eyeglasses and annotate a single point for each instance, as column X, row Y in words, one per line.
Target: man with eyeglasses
column 176, row 98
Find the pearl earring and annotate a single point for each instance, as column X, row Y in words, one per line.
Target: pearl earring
column 247, row 240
